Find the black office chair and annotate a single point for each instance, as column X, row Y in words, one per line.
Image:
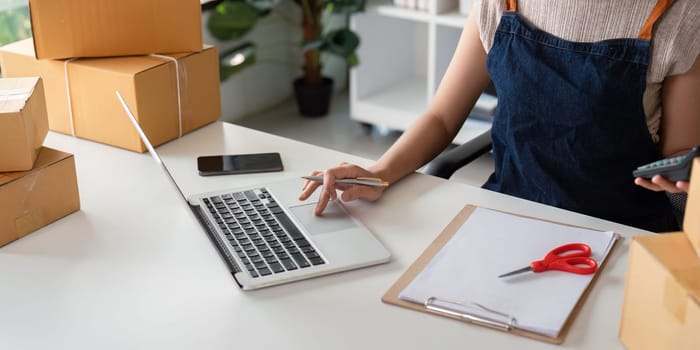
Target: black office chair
column 445, row 164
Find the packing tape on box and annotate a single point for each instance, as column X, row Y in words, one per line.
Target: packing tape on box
column 177, row 86
column 675, row 299
column 30, row 220
column 15, row 94
column 676, row 296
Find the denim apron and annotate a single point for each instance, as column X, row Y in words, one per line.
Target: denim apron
column 570, row 124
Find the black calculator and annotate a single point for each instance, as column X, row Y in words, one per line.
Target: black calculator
column 674, row 168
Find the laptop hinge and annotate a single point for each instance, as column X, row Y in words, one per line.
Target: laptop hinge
column 218, row 242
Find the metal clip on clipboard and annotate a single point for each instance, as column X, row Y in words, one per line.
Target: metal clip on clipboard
column 431, row 304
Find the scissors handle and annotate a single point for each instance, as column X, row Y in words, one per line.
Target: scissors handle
column 568, row 251
column 572, row 257
column 581, row 265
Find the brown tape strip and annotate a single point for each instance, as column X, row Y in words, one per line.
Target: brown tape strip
column 675, row 299
column 29, row 222
column 679, row 288
column 31, row 219
column 690, row 280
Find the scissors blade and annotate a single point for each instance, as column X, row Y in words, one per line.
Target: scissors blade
column 524, row 269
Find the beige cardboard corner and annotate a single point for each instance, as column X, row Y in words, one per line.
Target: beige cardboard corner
column 24, row 122
column 661, row 308
column 691, row 221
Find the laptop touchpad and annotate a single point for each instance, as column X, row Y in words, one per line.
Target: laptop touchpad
column 334, row 218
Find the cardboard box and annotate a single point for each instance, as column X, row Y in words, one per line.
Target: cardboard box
column 662, row 294
column 149, row 85
column 98, row 28
column 32, row 199
column 23, row 122
column 691, row 220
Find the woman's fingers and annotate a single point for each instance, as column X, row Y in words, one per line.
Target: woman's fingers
column 659, row 183
column 665, row 184
column 329, row 184
column 647, row 184
column 330, row 187
column 309, row 186
column 368, row 193
column 322, row 202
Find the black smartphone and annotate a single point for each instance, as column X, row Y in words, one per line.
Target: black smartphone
column 239, row 163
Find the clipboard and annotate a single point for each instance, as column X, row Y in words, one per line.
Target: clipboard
column 392, row 295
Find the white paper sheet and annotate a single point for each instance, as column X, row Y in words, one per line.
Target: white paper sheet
column 491, row 243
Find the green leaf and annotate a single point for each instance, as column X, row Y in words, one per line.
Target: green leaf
column 232, row 20
column 341, row 42
column 352, row 60
column 233, row 60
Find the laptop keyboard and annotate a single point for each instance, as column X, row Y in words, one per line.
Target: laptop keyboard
column 261, row 233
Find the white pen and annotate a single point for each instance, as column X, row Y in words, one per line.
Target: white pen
column 366, row 181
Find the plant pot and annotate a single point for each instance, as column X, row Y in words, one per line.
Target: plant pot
column 313, row 101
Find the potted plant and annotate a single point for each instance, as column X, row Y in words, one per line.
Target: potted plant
column 232, row 19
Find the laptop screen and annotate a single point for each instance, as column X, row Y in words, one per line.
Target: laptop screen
column 148, row 144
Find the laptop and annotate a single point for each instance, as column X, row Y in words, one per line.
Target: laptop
column 268, row 237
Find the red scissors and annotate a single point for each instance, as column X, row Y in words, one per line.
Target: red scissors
column 572, row 257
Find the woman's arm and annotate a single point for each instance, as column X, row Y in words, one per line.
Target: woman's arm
column 463, row 82
column 680, row 123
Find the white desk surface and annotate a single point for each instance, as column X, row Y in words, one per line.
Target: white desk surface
column 134, row 270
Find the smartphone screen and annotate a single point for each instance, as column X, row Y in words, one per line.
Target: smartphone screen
column 239, row 163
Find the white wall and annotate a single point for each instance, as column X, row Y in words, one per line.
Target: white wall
column 268, row 82
column 262, row 84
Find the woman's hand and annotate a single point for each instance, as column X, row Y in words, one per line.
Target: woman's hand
column 660, row 183
column 349, row 192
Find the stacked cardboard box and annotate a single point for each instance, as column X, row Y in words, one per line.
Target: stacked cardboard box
column 23, row 122
column 170, row 93
column 84, row 51
column 32, row 199
column 96, row 28
column 661, row 309
column 37, row 184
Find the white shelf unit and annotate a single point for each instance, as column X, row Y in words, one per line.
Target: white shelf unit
column 403, row 56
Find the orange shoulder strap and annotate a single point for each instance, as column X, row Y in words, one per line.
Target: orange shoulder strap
column 511, row 5
column 656, row 13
